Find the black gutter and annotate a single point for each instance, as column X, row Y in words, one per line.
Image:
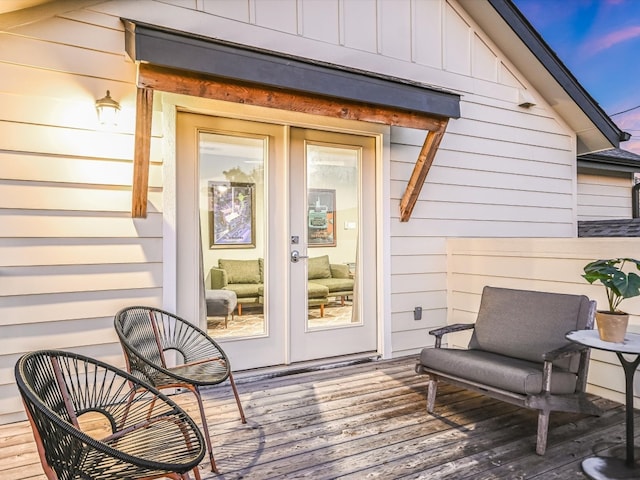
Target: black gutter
column 536, row 44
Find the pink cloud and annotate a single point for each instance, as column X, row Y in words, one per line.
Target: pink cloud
column 632, row 145
column 630, row 122
column 607, row 41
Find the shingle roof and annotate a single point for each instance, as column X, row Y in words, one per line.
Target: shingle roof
column 613, row 154
column 609, row 228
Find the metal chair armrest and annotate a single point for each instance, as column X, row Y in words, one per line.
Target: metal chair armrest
column 456, row 327
column 564, row 351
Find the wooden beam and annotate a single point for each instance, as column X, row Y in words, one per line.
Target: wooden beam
column 198, row 85
column 151, row 77
column 420, row 170
column 140, row 187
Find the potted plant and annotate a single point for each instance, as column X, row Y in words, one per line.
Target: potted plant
column 619, row 284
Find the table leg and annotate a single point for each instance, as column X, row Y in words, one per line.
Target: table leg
column 612, row 468
column 629, row 371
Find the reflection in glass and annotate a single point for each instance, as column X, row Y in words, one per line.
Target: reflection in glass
column 232, row 212
column 332, row 234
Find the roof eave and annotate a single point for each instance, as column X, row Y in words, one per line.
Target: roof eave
column 511, row 31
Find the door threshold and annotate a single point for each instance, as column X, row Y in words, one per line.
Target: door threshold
column 245, row 376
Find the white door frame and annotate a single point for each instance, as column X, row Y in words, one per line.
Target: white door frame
column 171, row 103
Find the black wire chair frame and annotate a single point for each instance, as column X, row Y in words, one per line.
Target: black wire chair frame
column 150, row 337
column 143, row 434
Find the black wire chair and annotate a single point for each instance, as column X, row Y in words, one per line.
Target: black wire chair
column 169, row 352
column 91, row 420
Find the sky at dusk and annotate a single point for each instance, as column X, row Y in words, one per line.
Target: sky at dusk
column 599, row 42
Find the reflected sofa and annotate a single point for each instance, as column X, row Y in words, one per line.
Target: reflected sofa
column 246, row 279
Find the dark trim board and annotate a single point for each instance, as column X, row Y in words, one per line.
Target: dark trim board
column 183, row 51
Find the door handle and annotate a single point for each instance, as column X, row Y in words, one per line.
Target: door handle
column 295, row 256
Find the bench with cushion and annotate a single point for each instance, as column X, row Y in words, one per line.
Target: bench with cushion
column 334, row 276
column 245, row 278
column 518, row 353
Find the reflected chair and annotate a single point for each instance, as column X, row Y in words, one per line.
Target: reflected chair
column 92, row 420
column 168, row 352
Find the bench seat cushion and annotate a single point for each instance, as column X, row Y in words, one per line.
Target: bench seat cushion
column 315, row 290
column 244, row 290
column 506, row 373
column 334, row 284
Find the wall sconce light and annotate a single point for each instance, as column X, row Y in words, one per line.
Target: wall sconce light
column 107, row 109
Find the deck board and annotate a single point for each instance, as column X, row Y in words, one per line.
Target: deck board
column 369, row 420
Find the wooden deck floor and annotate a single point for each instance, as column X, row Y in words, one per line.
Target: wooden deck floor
column 369, row 421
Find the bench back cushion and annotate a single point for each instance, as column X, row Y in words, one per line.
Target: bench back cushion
column 242, row 271
column 318, row 267
column 525, row 324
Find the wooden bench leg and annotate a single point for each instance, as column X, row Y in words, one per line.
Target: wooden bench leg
column 239, row 309
column 322, row 309
column 543, row 428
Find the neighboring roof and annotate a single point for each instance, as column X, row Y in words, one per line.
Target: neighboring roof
column 615, row 161
column 609, row 228
column 614, row 155
column 527, row 50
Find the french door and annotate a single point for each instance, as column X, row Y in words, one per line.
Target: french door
column 285, row 218
column 331, row 185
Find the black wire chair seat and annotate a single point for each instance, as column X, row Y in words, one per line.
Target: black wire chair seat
column 166, row 351
column 202, row 375
column 91, row 420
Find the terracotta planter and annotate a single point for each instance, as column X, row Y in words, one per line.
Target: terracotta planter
column 612, row 326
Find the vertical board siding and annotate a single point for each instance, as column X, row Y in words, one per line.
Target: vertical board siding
column 281, row 15
column 457, row 37
column 485, row 62
column 395, row 29
column 360, row 20
column 427, row 31
column 552, row 265
column 320, row 20
column 236, row 10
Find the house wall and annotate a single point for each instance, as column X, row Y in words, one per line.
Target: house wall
column 602, row 197
column 71, row 255
column 552, row 265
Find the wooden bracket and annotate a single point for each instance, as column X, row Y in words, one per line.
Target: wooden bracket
column 420, row 170
column 140, row 187
column 152, row 77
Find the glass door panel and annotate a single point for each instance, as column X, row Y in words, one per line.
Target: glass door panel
column 332, row 224
column 276, row 226
column 332, row 233
column 229, row 217
column 232, row 199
